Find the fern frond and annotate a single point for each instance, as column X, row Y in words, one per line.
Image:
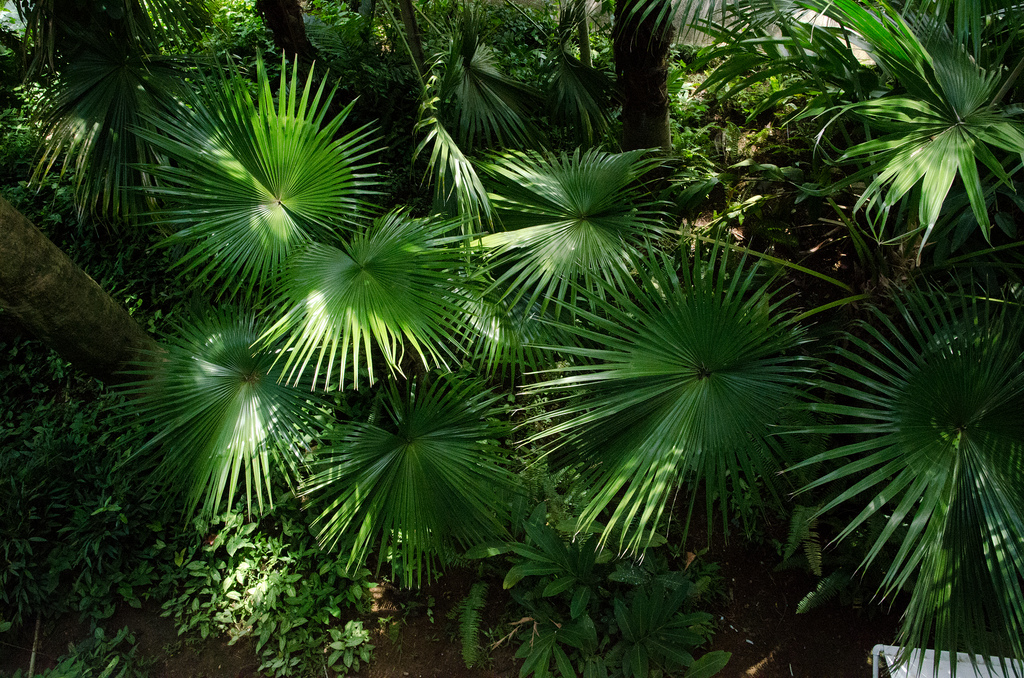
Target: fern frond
column 803, row 532
column 469, row 623
column 827, row 589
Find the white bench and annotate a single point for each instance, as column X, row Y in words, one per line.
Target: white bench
column 915, row 668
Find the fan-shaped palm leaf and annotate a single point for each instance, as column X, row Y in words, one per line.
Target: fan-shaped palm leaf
column 92, row 114
column 578, row 95
column 691, row 372
column 217, row 412
column 394, row 284
column 481, row 104
column 139, row 26
column 253, row 182
column 506, row 337
column 942, row 128
column 935, row 394
column 428, row 477
column 568, row 219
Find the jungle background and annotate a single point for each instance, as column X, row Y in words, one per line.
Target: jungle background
column 427, row 338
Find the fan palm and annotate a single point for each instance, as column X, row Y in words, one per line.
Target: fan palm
column 690, row 374
column 395, row 284
column 568, row 219
column 483, row 105
column 947, row 122
column 467, row 102
column 91, row 116
column 577, row 94
column 252, row 182
column 217, row 413
column 933, row 393
column 426, row 476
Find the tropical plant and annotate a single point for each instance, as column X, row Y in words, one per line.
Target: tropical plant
column 114, row 71
column 949, row 119
column 251, row 183
column 399, row 284
column 591, row 613
column 424, row 478
column 568, row 221
column 932, row 391
column 685, row 372
column 216, row 413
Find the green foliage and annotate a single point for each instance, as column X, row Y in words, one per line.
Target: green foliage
column 216, row 414
column 74, row 529
column 254, row 182
column 593, row 615
column 567, row 222
column 688, row 371
column 349, row 646
column 99, row 656
column 948, row 121
column 427, row 476
column 268, row 581
column 387, row 290
column 932, row 391
column 469, row 622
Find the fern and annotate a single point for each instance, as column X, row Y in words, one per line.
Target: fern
column 827, row 589
column 469, row 623
column 803, row 531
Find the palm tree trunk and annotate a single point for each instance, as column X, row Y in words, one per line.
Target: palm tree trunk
column 412, row 35
column 641, row 46
column 284, row 19
column 61, row 305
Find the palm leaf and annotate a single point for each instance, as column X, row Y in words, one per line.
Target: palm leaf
column 216, row 413
column 568, row 219
column 935, row 403
column 578, row 96
column 425, row 479
column 691, row 372
column 395, row 285
column 941, row 129
column 92, row 117
column 253, row 182
column 481, row 104
column 457, row 186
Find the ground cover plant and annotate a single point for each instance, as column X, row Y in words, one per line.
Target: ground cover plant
column 377, row 329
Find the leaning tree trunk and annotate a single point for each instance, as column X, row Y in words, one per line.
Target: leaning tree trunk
column 61, row 305
column 641, row 44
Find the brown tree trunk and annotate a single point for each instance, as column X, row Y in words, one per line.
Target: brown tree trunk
column 61, row 305
column 412, row 35
column 284, row 19
column 641, row 45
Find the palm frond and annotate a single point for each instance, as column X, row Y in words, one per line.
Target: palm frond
column 216, row 414
column 457, row 186
column 690, row 373
column 578, row 96
column 568, row 219
column 481, row 104
column 506, row 336
column 426, row 478
column 936, row 405
column 92, row 117
column 941, row 129
column 393, row 286
column 253, row 182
